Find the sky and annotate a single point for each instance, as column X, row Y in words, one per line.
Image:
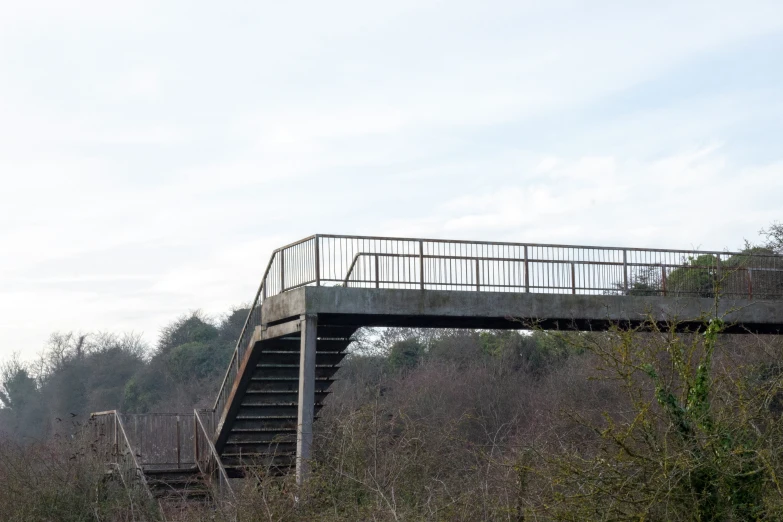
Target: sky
column 153, row 154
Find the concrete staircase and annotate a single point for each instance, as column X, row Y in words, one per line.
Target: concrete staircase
column 263, row 431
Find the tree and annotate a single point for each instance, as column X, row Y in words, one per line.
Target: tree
column 405, row 354
column 21, row 400
column 774, row 237
column 695, row 440
column 697, row 277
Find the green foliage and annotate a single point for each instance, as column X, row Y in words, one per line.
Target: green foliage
column 18, row 387
column 647, row 282
column 405, row 354
column 196, row 360
column 697, row 278
column 187, row 329
column 22, row 411
column 693, row 443
column 143, row 392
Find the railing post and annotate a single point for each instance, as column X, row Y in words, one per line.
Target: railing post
column 377, row 273
column 317, row 261
column 478, row 277
column 282, row 271
column 718, row 267
column 421, row 263
column 116, row 450
column 179, row 448
column 663, row 279
column 195, row 437
column 573, row 279
column 527, row 273
column 625, row 271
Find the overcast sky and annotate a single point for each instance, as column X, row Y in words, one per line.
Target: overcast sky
column 153, row 154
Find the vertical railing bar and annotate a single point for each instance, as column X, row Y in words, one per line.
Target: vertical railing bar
column 663, row 279
column 625, row 271
column 178, row 444
column 573, row 279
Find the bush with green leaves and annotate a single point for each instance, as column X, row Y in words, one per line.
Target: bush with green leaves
column 693, row 439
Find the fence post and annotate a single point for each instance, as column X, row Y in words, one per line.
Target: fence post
column 195, row 438
column 573, row 279
column 317, row 261
column 527, row 273
column 625, row 271
column 750, row 283
column 663, row 279
column 178, row 444
column 718, row 268
column 421, row 263
column 116, row 449
column 478, row 277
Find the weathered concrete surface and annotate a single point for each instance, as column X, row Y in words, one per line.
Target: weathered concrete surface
column 454, row 309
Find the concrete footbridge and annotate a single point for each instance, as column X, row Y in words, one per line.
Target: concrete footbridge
column 315, row 293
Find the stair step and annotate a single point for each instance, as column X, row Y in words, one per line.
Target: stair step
column 242, row 460
column 270, row 383
column 269, row 410
column 261, row 429
column 275, row 357
column 261, row 437
column 177, row 484
column 259, row 448
column 267, row 423
column 292, row 371
column 277, row 397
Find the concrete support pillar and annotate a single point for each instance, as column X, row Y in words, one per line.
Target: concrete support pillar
column 306, row 410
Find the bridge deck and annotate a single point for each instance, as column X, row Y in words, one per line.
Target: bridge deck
column 452, row 309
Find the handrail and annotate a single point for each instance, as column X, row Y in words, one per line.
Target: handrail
column 217, row 408
column 208, row 461
column 130, row 470
column 508, row 243
column 239, row 348
column 356, row 258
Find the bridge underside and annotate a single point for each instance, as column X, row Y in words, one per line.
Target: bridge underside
column 357, row 307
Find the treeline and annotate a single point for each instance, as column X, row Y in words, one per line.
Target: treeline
column 501, row 425
column 81, row 373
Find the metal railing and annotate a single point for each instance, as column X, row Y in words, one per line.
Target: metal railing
column 483, row 266
column 161, row 440
column 209, row 463
column 114, row 447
